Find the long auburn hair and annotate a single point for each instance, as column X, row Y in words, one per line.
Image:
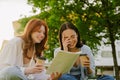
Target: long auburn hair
column 69, row 25
column 32, row 26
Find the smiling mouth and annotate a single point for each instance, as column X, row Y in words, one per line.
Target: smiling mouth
column 39, row 39
column 70, row 45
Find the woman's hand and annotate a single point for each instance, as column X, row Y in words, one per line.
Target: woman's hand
column 65, row 43
column 55, row 76
column 35, row 69
column 84, row 61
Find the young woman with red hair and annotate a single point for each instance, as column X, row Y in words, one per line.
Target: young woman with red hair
column 18, row 57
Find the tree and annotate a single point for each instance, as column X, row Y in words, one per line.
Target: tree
column 95, row 20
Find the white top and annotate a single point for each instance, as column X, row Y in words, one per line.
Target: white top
column 12, row 54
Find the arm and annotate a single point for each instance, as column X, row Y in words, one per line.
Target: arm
column 8, row 55
column 91, row 69
column 11, row 54
column 38, row 68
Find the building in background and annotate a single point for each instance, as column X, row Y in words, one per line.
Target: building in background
column 104, row 59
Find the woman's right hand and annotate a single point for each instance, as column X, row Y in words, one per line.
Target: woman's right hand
column 65, row 43
column 35, row 69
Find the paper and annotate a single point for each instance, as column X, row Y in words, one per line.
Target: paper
column 62, row 62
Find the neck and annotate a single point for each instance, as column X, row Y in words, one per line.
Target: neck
column 74, row 49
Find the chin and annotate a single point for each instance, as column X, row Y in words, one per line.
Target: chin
column 71, row 46
column 38, row 41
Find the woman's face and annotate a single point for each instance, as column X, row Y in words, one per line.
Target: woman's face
column 70, row 36
column 38, row 35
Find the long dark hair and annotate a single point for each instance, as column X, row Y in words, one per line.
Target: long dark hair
column 69, row 25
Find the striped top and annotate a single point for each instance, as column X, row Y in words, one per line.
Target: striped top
column 77, row 70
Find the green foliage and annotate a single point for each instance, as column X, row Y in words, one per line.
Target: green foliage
column 95, row 20
column 91, row 18
column 53, row 31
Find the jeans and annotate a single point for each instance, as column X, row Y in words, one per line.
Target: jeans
column 105, row 77
column 67, row 77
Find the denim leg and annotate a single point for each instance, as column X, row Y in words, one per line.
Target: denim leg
column 67, row 77
column 12, row 73
column 105, row 77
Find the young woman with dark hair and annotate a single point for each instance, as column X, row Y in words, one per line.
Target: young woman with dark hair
column 69, row 38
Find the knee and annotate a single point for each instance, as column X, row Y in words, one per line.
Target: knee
column 8, row 74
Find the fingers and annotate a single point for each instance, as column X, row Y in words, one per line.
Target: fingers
column 38, row 68
column 84, row 61
column 65, row 43
column 87, row 64
column 58, row 74
column 55, row 76
column 34, row 69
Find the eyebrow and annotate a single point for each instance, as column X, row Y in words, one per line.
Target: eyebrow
column 71, row 35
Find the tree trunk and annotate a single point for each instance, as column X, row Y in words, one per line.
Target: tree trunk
column 111, row 36
column 115, row 60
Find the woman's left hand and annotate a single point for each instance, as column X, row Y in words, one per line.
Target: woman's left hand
column 84, row 61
